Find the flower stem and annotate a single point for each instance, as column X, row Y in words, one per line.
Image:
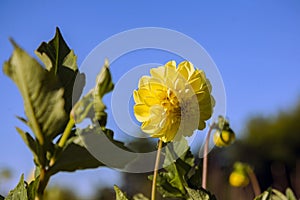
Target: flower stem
column 254, row 182
column 153, row 193
column 205, row 159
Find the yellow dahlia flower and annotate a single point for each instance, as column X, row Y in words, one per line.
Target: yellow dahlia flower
column 173, row 101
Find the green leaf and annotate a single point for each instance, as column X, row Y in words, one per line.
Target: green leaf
column 74, row 157
column 29, row 141
column 1, row 197
column 42, row 94
column 278, row 195
column 264, row 196
column 139, row 197
column 289, row 194
column 200, row 194
column 19, row 193
column 56, row 50
column 172, row 183
column 91, row 105
column 32, row 188
column 60, row 60
column 119, row 194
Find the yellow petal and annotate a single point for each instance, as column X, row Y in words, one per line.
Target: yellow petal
column 158, row 72
column 186, row 69
column 136, row 97
column 141, row 112
column 171, row 64
column 144, row 82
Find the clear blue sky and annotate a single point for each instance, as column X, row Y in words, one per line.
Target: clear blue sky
column 255, row 44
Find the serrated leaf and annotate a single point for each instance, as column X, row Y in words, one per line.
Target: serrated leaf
column 91, row 105
column 197, row 194
column 119, row 194
column 61, row 60
column 200, row 194
column 74, row 157
column 41, row 92
column 56, row 50
column 20, row 192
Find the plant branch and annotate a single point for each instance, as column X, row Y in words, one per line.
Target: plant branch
column 153, row 193
column 43, row 181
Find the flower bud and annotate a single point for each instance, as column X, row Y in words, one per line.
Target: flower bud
column 238, row 179
column 224, row 138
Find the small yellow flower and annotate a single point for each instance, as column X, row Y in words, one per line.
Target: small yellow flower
column 238, row 179
column 170, row 100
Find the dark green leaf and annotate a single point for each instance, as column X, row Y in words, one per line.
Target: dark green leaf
column 119, row 194
column 200, row 194
column 32, row 188
column 56, row 50
column 19, row 193
column 29, row 141
column 60, row 60
column 42, row 94
column 74, row 157
column 172, row 183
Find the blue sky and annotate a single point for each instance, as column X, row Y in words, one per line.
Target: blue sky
column 255, row 44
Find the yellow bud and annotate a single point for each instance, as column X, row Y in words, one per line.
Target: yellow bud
column 238, row 179
column 224, row 138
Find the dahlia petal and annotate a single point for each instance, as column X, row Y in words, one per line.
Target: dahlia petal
column 144, row 81
column 195, row 84
column 141, row 112
column 186, row 69
column 136, row 97
column 171, row 64
column 158, row 72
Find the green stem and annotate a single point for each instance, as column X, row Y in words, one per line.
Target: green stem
column 153, row 193
column 205, row 158
column 66, row 132
column 63, row 139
